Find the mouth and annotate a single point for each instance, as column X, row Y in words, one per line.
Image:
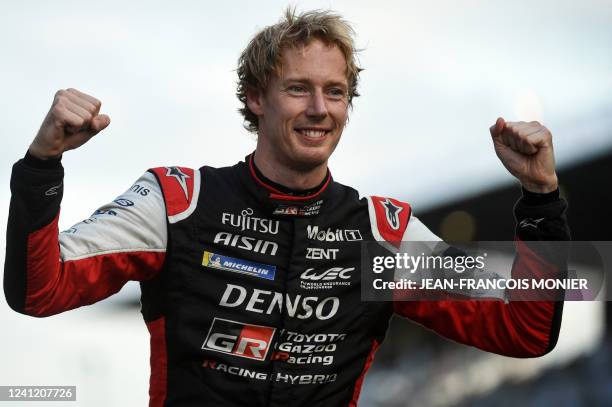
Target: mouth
column 312, row 133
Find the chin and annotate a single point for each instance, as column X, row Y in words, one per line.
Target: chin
column 309, row 159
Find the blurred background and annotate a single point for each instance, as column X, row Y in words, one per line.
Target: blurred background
column 437, row 75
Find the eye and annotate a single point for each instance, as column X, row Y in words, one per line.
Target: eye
column 337, row 93
column 296, row 89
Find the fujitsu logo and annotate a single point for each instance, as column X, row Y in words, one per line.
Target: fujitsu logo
column 245, row 221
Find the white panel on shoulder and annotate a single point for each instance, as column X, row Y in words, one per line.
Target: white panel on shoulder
column 419, row 239
column 417, row 231
column 135, row 221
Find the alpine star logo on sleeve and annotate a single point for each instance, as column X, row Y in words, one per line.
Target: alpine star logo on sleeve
column 392, row 212
column 530, row 223
column 180, row 176
column 54, row 189
column 238, row 339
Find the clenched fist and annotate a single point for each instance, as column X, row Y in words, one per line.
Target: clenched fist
column 72, row 120
column 526, row 150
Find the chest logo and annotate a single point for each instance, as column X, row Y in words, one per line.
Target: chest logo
column 232, row 264
column 238, row 339
column 246, row 243
column 324, row 280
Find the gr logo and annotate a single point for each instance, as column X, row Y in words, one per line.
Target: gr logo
column 236, row 338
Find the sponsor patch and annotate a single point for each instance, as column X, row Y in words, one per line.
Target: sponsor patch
column 232, row 264
column 239, row 339
column 323, row 280
column 333, row 235
column 123, row 202
column 297, row 210
column 247, row 243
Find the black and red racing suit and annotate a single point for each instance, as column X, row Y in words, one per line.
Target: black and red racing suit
column 251, row 294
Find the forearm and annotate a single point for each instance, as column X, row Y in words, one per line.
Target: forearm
column 37, row 189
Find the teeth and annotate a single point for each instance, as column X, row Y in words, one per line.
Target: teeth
column 313, row 133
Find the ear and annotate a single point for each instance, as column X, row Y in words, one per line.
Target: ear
column 255, row 101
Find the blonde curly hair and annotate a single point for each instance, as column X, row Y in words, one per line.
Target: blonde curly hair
column 261, row 58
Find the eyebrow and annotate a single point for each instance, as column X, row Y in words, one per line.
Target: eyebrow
column 306, row 80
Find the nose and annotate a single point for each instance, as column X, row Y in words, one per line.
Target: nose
column 317, row 107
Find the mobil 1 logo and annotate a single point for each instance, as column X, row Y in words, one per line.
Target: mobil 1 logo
column 316, row 233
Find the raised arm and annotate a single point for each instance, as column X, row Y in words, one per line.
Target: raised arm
column 46, row 272
column 515, row 328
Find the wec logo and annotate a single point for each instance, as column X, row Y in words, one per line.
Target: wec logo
column 327, row 275
column 236, row 338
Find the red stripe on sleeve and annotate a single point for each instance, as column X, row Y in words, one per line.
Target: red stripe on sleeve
column 54, row 286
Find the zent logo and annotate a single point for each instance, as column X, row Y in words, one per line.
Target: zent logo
column 317, row 253
column 238, row 339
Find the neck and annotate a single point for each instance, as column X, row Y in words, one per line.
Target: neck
column 288, row 177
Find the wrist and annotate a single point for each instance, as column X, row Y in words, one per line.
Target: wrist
column 536, row 199
column 541, row 188
column 39, row 153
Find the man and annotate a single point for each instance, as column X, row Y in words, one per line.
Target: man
column 250, row 275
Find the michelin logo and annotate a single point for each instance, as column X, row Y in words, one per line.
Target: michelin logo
column 226, row 263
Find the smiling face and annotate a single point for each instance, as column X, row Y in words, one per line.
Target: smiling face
column 304, row 109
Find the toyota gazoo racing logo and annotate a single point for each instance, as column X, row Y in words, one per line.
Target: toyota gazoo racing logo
column 326, row 279
column 246, row 221
column 306, row 349
column 238, row 339
column 329, row 235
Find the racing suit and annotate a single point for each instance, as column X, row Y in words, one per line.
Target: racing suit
column 251, row 293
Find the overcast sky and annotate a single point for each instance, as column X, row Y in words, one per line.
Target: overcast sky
column 437, row 74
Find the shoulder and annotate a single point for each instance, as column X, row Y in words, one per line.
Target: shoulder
column 393, row 221
column 389, row 218
column 180, row 188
